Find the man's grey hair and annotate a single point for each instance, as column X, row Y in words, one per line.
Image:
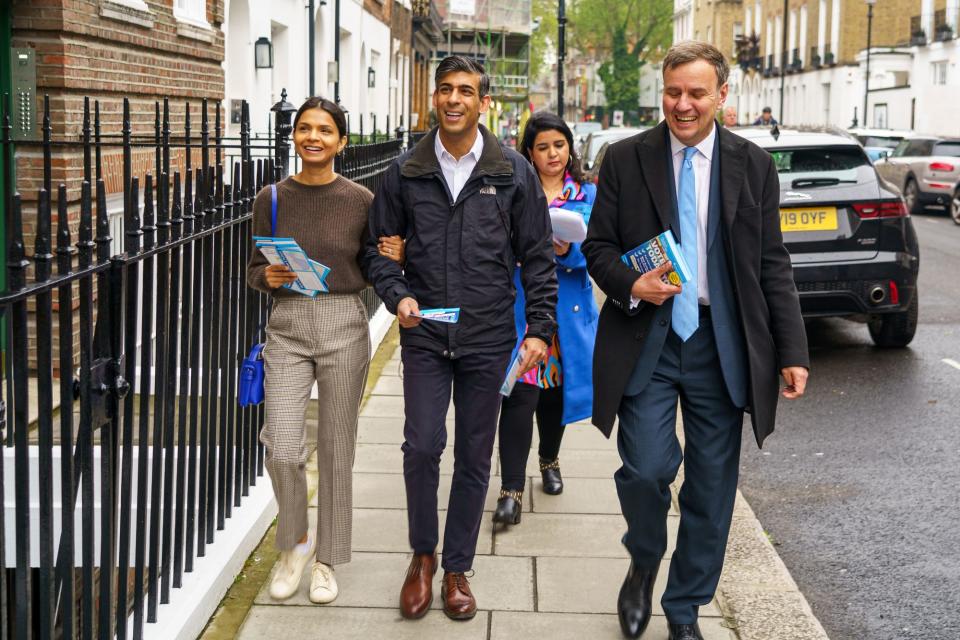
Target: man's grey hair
column 692, row 50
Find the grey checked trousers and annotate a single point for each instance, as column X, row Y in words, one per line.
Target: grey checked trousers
column 324, row 340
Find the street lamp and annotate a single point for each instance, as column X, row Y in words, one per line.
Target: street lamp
column 866, row 84
column 263, row 53
column 561, row 52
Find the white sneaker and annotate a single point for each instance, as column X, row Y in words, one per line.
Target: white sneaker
column 323, row 586
column 290, row 569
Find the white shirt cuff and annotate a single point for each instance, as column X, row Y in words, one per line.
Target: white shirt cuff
column 634, row 302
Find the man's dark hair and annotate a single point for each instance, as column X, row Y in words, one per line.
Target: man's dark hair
column 330, row 107
column 453, row 64
column 767, row 110
column 542, row 121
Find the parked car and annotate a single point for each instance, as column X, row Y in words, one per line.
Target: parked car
column 955, row 203
column 582, row 129
column 851, row 239
column 593, row 173
column 591, row 146
column 925, row 169
column 880, row 138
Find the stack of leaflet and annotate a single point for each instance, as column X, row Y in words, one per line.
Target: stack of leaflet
column 311, row 275
column 656, row 251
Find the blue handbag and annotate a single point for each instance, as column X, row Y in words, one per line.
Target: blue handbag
column 250, row 385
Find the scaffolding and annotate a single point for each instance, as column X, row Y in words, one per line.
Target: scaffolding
column 496, row 32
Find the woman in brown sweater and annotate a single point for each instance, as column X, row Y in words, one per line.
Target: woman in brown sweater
column 323, row 339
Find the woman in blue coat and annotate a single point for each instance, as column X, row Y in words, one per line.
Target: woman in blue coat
column 559, row 391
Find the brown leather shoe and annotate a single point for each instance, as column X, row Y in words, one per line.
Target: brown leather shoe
column 458, row 600
column 417, row 592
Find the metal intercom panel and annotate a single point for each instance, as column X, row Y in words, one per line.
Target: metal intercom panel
column 23, row 116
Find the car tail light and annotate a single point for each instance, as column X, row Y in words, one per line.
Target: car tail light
column 941, row 166
column 881, row 209
column 894, row 293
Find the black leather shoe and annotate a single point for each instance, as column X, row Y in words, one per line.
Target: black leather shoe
column 684, row 632
column 635, row 602
column 552, row 480
column 509, row 507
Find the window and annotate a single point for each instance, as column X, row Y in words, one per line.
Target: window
column 195, row 10
column 938, row 71
column 920, row 148
column 812, row 166
column 951, row 149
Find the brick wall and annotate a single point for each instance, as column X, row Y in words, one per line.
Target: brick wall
column 109, row 50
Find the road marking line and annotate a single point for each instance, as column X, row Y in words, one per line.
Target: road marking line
column 952, row 363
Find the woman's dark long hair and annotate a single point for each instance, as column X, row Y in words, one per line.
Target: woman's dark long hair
column 542, row 121
column 330, row 107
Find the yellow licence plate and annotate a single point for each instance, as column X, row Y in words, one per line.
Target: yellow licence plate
column 808, row 219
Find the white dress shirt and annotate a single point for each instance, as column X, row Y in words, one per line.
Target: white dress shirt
column 457, row 172
column 702, row 161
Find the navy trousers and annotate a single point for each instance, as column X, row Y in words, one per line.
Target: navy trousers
column 651, row 456
column 427, row 381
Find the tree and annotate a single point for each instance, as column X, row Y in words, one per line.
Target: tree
column 623, row 35
column 543, row 40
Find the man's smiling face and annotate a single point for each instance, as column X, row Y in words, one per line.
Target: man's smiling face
column 458, row 102
column 691, row 98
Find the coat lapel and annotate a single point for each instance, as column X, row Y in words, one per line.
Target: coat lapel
column 654, row 153
column 714, row 205
column 732, row 155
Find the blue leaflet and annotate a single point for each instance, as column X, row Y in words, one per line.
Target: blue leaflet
column 654, row 252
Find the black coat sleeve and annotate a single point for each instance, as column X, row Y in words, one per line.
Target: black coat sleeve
column 776, row 280
column 603, row 246
column 534, row 250
column 387, row 218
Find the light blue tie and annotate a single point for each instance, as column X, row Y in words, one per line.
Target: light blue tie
column 686, row 316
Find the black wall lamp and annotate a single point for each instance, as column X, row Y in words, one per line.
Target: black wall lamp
column 263, row 53
column 371, row 78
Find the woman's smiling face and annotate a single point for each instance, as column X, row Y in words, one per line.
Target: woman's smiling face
column 316, row 138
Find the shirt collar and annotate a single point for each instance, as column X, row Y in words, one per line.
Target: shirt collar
column 476, row 150
column 705, row 147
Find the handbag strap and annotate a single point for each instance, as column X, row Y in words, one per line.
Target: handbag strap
column 273, row 231
column 273, row 209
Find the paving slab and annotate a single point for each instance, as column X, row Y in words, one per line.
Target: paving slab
column 392, row 407
column 387, row 458
column 584, row 463
column 579, row 436
column 388, row 386
column 385, row 530
column 598, row 582
column 568, row 626
column 374, row 580
column 387, row 491
column 569, row 535
column 580, row 495
column 342, row 623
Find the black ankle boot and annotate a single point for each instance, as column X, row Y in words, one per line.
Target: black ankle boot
column 509, row 507
column 552, row 480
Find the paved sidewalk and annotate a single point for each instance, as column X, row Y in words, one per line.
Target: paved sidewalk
column 556, row 574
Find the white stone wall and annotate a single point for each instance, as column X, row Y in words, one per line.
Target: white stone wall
column 364, row 42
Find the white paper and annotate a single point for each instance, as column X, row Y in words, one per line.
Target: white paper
column 568, row 226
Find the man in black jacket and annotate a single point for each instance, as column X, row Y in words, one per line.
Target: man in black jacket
column 469, row 210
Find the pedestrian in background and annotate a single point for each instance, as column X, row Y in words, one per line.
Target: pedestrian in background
column 469, row 209
column 323, row 340
column 560, row 390
column 730, row 117
column 719, row 343
column 766, row 118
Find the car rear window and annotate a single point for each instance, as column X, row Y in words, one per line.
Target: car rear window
column 951, row 149
column 846, row 164
column 873, row 141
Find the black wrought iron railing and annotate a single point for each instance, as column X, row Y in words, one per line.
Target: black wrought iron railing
column 119, row 374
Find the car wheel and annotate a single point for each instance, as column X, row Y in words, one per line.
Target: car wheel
column 896, row 329
column 955, row 206
column 911, row 194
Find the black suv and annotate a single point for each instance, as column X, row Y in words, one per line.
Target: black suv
column 850, row 236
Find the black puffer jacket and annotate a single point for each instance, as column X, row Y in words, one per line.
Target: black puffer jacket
column 462, row 253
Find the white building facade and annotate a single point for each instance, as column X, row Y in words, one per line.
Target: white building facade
column 374, row 74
